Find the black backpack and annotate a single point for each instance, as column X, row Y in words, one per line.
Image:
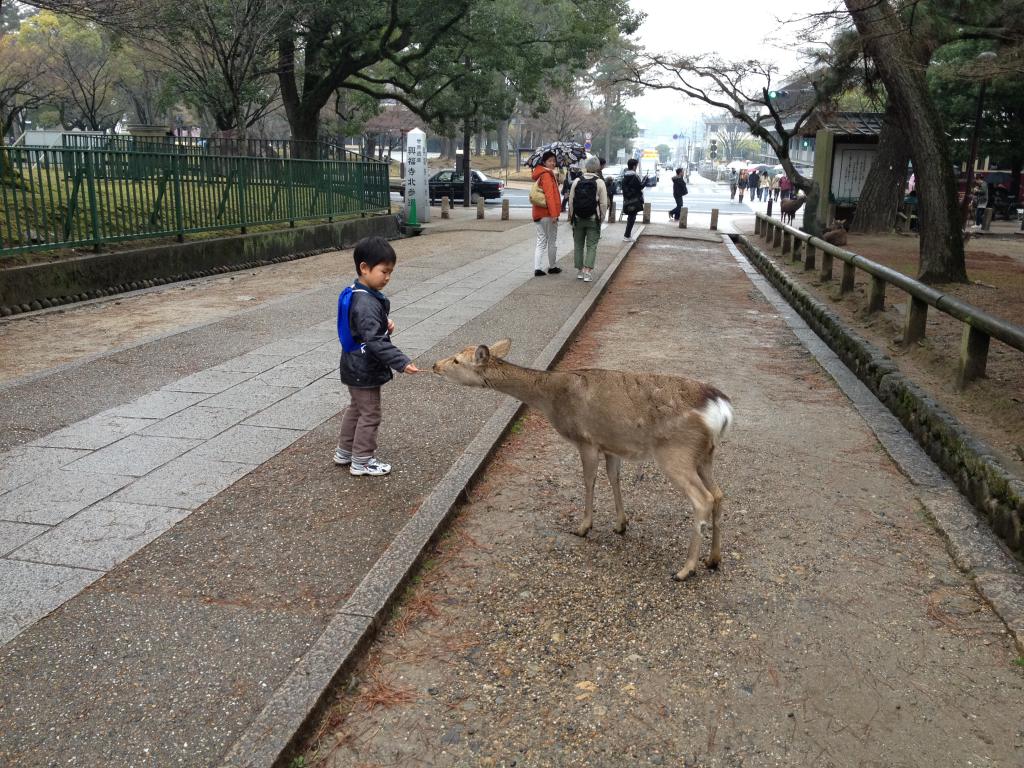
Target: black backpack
column 584, row 201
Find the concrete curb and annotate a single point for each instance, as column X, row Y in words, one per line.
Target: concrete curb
column 870, row 379
column 277, row 730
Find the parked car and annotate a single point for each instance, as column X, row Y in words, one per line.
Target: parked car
column 449, row 183
column 613, row 174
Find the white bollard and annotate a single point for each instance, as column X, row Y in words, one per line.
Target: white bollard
column 480, row 208
column 682, row 217
column 445, row 208
column 504, row 209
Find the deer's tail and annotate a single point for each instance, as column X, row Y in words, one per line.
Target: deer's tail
column 717, row 415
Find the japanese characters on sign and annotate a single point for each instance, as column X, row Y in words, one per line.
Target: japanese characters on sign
column 416, row 174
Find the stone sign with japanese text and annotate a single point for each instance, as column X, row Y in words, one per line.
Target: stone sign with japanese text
column 417, row 174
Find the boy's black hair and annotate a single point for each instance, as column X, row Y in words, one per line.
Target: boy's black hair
column 373, row 251
column 602, row 161
column 679, row 170
column 631, row 163
column 546, row 155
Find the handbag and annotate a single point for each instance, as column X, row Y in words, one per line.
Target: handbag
column 537, row 196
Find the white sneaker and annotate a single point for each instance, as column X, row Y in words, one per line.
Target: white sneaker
column 373, row 468
column 586, row 278
column 627, row 239
column 342, row 459
column 579, row 275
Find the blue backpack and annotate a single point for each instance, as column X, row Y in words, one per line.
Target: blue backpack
column 348, row 344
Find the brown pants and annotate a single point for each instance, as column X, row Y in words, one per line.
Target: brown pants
column 359, row 424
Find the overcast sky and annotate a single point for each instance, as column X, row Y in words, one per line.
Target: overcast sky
column 738, row 29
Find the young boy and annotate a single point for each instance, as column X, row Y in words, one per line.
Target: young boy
column 367, row 366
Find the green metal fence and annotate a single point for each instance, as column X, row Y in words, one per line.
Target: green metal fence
column 248, row 147
column 74, row 197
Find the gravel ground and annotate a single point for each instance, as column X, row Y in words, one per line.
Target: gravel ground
column 837, row 632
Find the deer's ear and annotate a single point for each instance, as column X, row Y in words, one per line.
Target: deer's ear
column 481, row 354
column 501, row 348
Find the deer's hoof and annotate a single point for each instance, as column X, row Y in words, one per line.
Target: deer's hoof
column 682, row 575
column 712, row 564
column 582, row 531
column 620, row 529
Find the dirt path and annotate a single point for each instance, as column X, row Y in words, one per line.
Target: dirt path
column 837, row 633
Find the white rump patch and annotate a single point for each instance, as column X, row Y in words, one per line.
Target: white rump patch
column 717, row 415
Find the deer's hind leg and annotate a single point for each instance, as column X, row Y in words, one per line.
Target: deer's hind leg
column 589, row 456
column 613, row 464
column 707, row 475
column 680, row 465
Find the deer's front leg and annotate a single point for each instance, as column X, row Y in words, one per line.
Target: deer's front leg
column 613, row 464
column 589, row 455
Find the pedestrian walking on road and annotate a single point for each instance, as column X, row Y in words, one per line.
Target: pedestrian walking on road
column 785, row 187
column 742, row 182
column 732, row 184
column 764, row 188
column 753, row 184
column 546, row 216
column 773, row 186
column 679, row 191
column 367, row 355
column 632, row 196
column 980, row 201
column 588, row 201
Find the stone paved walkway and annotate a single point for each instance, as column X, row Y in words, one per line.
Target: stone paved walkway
column 82, row 499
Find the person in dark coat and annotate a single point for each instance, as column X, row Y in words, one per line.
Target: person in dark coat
column 753, row 184
column 632, row 196
column 367, row 365
column 679, row 191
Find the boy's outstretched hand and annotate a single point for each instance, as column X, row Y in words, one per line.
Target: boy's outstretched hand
column 391, row 325
column 410, row 368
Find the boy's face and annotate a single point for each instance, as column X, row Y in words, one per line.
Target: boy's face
column 375, row 277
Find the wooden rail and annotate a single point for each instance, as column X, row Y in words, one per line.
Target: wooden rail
column 979, row 326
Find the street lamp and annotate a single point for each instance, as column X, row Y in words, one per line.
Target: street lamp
column 965, row 205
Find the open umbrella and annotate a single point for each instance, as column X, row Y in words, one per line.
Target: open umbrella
column 737, row 165
column 566, row 153
column 996, row 177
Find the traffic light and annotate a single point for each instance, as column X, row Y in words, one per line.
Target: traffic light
column 805, row 143
column 713, row 149
column 777, row 94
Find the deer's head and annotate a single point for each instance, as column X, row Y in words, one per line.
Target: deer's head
column 469, row 366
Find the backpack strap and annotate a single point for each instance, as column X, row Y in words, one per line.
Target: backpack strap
column 348, row 343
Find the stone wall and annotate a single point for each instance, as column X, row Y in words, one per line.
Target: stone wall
column 37, row 286
column 970, row 463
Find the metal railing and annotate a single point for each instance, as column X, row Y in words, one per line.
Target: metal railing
column 979, row 326
column 248, row 147
column 72, row 197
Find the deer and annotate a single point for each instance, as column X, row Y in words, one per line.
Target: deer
column 788, row 208
column 676, row 421
column 835, row 233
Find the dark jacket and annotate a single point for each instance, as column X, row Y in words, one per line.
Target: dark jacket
column 632, row 193
column 753, row 180
column 371, row 364
column 679, row 186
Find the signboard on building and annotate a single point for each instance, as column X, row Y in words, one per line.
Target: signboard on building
column 417, row 174
column 850, row 166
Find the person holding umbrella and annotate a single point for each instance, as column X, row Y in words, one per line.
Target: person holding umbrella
column 546, row 216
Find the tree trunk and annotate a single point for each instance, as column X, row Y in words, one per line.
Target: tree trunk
column 883, row 188
column 892, row 49
column 503, row 143
column 467, row 181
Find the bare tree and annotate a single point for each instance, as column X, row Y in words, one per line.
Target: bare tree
column 742, row 89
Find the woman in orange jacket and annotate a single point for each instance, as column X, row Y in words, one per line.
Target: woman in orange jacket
column 546, row 216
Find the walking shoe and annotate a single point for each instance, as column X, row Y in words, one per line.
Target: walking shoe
column 627, row 238
column 372, row 467
column 539, row 273
column 554, row 270
column 341, row 458
column 579, row 275
column 586, row 278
